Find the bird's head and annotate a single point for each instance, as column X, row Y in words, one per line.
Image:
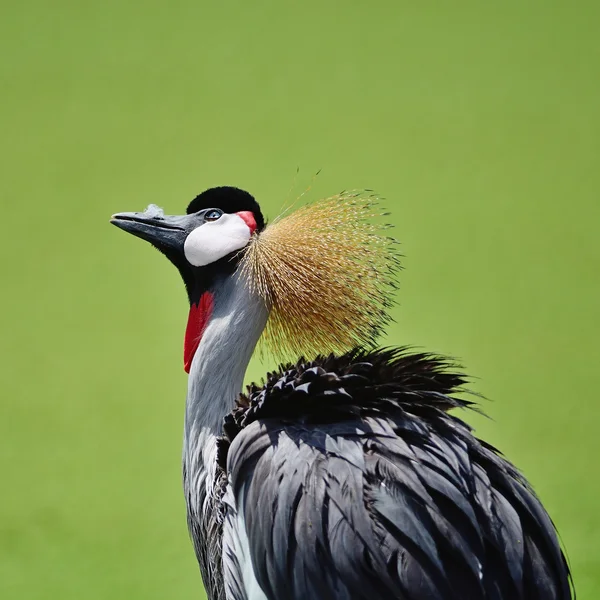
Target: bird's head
column 325, row 271
column 205, row 242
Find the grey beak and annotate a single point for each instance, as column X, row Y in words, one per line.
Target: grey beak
column 163, row 231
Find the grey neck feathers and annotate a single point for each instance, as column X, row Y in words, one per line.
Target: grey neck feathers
column 219, row 365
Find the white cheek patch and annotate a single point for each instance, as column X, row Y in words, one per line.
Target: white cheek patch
column 216, row 239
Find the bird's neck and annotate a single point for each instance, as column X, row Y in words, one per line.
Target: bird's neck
column 236, row 321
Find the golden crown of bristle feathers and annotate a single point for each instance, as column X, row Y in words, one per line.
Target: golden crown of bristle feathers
column 327, row 272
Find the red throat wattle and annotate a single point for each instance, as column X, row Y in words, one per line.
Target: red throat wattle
column 197, row 321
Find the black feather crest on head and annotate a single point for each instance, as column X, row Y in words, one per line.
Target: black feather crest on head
column 230, row 200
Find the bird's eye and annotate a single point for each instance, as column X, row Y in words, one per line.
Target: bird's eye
column 213, row 215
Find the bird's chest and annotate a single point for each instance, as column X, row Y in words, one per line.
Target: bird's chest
column 203, row 487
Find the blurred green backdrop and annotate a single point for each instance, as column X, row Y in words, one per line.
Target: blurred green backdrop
column 480, row 123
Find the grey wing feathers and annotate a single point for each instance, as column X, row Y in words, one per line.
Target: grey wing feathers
column 397, row 503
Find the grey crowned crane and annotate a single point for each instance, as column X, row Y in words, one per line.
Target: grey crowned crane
column 345, row 476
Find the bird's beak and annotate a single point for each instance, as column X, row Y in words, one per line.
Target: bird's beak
column 163, row 231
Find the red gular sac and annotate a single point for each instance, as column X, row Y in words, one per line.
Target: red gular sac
column 197, row 321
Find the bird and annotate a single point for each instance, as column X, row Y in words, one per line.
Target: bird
column 347, row 474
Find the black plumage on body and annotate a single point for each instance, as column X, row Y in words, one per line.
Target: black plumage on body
column 390, row 496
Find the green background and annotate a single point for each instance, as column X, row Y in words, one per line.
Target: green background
column 478, row 121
